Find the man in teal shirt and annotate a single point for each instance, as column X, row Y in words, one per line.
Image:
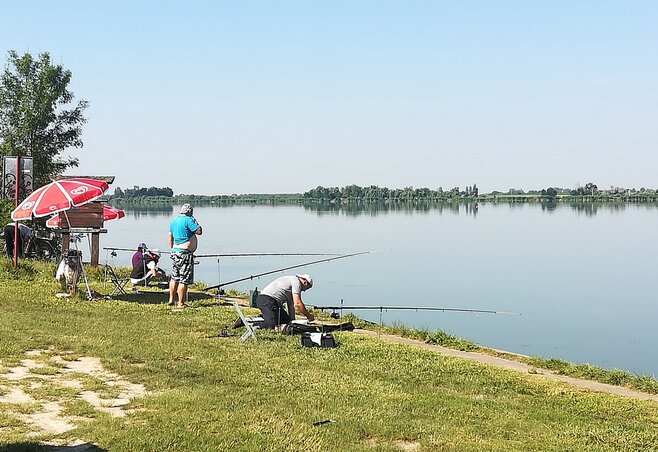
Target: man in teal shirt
column 183, row 242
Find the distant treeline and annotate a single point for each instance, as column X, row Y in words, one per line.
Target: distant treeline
column 374, row 193
column 165, row 196
column 589, row 191
column 137, row 192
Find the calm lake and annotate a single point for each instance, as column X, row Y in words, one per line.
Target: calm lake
column 582, row 276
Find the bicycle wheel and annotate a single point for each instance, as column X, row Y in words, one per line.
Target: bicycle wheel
column 45, row 251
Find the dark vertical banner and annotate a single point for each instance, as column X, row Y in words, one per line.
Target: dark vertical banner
column 25, row 180
column 17, row 184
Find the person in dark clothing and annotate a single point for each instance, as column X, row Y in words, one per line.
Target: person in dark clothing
column 285, row 291
column 146, row 268
column 24, row 233
column 139, row 253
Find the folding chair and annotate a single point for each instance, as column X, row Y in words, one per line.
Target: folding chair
column 247, row 323
column 118, row 283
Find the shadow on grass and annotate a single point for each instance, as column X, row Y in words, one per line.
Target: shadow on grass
column 36, row 447
column 157, row 297
column 226, row 333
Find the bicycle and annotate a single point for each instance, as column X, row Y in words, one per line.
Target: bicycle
column 44, row 248
column 38, row 247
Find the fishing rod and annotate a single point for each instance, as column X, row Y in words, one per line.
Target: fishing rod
column 112, row 248
column 264, row 254
column 411, row 308
column 234, row 254
column 342, row 256
column 381, row 309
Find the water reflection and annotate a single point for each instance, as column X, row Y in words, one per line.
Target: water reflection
column 469, row 208
column 591, row 208
column 375, row 208
column 359, row 208
column 135, row 211
column 549, row 206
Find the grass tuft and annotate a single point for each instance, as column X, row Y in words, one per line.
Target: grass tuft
column 25, row 270
column 78, row 407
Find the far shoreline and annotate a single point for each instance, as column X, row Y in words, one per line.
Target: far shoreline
column 294, row 199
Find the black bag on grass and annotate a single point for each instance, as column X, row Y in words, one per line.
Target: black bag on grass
column 323, row 340
column 300, row 328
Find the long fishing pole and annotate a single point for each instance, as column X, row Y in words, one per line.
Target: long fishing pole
column 411, row 308
column 234, row 254
column 264, row 254
column 342, row 256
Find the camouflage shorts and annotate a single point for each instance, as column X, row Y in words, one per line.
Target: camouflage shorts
column 182, row 268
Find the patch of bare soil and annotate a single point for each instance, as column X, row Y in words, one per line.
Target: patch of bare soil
column 405, row 446
column 37, row 392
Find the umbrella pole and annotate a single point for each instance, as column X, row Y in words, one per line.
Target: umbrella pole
column 107, row 263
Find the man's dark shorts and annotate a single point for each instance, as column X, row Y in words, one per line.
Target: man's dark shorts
column 273, row 314
column 182, row 268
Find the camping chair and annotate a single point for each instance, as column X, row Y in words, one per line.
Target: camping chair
column 118, row 283
column 247, row 321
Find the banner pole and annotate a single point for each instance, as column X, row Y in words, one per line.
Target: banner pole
column 16, row 229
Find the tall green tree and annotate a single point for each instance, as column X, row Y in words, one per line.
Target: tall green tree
column 591, row 189
column 34, row 119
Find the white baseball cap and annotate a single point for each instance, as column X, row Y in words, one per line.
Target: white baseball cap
column 307, row 278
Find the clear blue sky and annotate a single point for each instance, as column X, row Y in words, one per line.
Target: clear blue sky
column 282, row 96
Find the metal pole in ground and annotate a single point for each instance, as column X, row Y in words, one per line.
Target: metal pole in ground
column 381, row 321
column 16, row 228
column 219, row 298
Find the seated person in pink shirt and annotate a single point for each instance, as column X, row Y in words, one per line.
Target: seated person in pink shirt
column 138, row 254
column 146, row 268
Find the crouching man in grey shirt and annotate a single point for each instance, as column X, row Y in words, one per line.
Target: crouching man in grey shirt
column 284, row 291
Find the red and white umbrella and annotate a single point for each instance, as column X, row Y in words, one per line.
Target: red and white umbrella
column 59, row 196
column 112, row 213
column 109, row 213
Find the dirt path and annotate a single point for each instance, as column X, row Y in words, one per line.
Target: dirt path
column 41, row 393
column 514, row 365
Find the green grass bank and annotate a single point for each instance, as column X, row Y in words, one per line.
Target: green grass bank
column 205, row 392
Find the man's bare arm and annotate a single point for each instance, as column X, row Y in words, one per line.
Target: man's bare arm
column 170, row 240
column 291, row 309
column 199, row 230
column 301, row 307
